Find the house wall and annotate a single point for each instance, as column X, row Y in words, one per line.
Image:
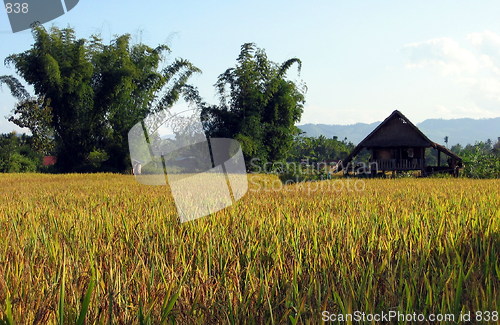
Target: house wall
column 398, row 153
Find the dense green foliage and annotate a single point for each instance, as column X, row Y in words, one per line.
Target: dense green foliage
column 17, row 155
column 309, row 159
column 88, row 95
column 320, row 149
column 481, row 160
column 258, row 106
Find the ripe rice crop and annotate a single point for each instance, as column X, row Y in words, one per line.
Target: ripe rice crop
column 102, row 248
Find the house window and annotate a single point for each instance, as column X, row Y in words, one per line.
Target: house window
column 410, row 153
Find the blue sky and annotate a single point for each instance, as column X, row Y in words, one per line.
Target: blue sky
column 361, row 59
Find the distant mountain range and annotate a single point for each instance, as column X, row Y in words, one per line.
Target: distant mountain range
column 463, row 130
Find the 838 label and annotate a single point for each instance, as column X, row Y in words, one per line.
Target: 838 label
column 17, row 7
column 23, row 14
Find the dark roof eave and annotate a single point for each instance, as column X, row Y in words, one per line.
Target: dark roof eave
column 446, row 151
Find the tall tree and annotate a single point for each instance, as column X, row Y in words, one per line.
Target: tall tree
column 258, row 105
column 89, row 94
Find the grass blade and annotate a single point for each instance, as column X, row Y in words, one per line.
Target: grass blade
column 86, row 299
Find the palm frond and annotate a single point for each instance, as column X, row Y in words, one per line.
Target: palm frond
column 287, row 64
column 16, row 88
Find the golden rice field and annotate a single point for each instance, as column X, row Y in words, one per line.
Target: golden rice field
column 99, row 249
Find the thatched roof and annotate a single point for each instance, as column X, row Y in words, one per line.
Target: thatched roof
column 397, row 131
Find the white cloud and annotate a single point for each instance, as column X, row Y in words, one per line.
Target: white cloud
column 442, row 53
column 487, row 40
column 473, row 64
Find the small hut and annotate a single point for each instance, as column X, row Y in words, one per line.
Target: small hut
column 49, row 161
column 397, row 145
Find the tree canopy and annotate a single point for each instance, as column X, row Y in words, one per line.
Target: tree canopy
column 87, row 94
column 258, row 105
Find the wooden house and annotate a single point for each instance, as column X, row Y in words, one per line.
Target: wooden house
column 398, row 145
